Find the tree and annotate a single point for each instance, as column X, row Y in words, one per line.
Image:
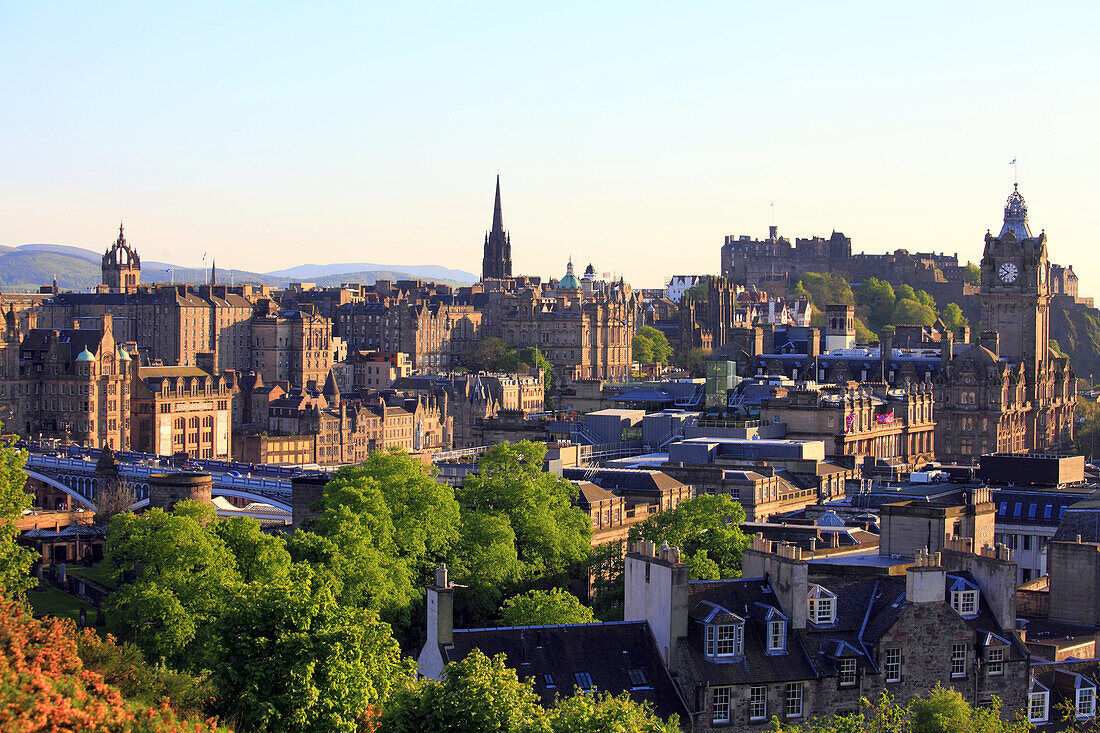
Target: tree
column 535, row 359
column 905, row 292
column 15, row 561
column 827, row 288
column 952, row 317
column 383, row 526
column 651, row 345
column 911, row 312
column 943, row 711
column 183, row 572
column 483, row 694
column 699, row 292
column 692, row 361
column 876, row 300
column 486, row 353
column 293, row 658
column 551, row 534
column 545, row 608
column 707, row 531
column 972, row 274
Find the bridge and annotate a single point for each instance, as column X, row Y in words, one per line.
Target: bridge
column 75, row 476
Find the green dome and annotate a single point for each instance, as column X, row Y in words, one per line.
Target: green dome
column 122, row 355
column 85, row 355
column 570, row 281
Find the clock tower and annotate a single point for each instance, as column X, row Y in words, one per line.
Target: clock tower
column 1015, row 290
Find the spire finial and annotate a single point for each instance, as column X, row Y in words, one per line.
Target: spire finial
column 498, row 217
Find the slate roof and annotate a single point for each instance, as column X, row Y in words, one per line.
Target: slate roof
column 625, row 479
column 554, row 655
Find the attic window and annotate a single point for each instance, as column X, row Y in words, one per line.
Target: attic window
column 822, row 606
column 584, row 681
column 965, row 602
column 777, row 636
column 548, row 679
column 725, row 640
column 1086, row 702
column 1037, row 703
column 637, row 678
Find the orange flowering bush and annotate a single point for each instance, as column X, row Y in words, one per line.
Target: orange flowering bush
column 44, row 685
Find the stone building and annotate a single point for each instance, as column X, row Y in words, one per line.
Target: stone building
column 891, row 424
column 730, row 309
column 291, row 346
column 69, row 383
column 497, row 260
column 181, row 410
column 797, row 640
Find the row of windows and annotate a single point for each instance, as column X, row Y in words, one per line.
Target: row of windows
column 722, row 705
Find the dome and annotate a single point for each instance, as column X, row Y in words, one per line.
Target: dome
column 85, row 355
column 830, row 519
column 1016, row 216
column 569, row 282
column 122, row 355
column 590, row 272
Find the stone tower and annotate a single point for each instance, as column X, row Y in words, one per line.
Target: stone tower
column 1015, row 290
column 121, row 266
column 497, row 260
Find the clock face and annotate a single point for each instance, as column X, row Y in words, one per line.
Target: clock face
column 1008, row 272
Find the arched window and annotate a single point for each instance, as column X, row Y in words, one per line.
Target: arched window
column 193, row 422
column 208, row 422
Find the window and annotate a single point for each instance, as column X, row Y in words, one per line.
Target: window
column 637, row 677
column 1086, row 702
column 721, row 710
column 1037, row 706
column 548, row 679
column 892, row 668
column 847, row 670
column 777, row 636
column 996, row 661
column 758, row 703
column 725, row 640
column 965, row 602
column 584, row 681
column 822, row 610
column 958, row 660
column 794, row 700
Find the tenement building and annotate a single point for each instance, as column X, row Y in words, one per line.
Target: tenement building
column 70, row 384
column 181, row 409
column 292, row 346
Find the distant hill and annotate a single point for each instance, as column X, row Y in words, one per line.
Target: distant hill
column 1077, row 332
column 27, row 267
column 429, row 272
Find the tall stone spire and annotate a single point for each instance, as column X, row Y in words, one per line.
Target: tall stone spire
column 213, row 272
column 498, row 216
column 497, row 260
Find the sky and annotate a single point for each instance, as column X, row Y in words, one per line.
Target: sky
column 634, row 136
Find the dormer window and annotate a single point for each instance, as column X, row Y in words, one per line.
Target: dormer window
column 822, row 606
column 1086, row 702
column 725, row 640
column 1038, row 706
column 777, row 636
column 965, row 602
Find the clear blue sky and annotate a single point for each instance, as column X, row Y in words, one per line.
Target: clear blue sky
column 631, row 135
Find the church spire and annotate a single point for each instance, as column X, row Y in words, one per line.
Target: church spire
column 213, row 272
column 498, row 216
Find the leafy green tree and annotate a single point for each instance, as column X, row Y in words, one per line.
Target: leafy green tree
column 476, row 694
column 535, row 359
column 876, row 300
column 381, row 528
column 925, row 298
column 483, row 694
column 972, row 274
column 700, row 292
column 651, row 345
column 952, row 317
column 692, row 361
column 545, row 608
column 259, row 556
column 912, row 312
column 905, row 292
column 706, row 529
column 827, row 288
column 182, row 574
column 551, row 534
column 292, row 658
column 487, row 352
column 605, row 713
column 487, row 562
column 15, row 561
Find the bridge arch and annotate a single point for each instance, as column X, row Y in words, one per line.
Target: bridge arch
column 50, row 481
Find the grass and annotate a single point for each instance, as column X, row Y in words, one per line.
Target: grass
column 97, row 573
column 56, row 602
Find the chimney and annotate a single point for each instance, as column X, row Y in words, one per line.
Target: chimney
column 773, row 232
column 926, row 581
column 657, row 592
column 440, row 626
column 886, row 352
column 786, row 571
column 813, row 346
column 947, row 347
column 992, row 341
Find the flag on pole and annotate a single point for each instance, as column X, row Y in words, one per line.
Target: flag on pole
column 849, row 422
column 1013, row 162
column 886, row 418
